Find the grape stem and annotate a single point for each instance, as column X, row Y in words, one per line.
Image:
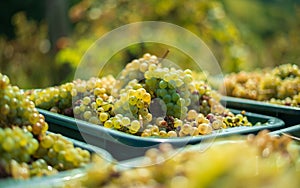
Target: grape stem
column 164, row 56
column 141, row 121
column 292, row 137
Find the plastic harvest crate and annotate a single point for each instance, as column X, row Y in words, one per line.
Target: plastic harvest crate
column 60, row 178
column 124, row 146
column 290, row 115
column 142, row 161
column 293, row 130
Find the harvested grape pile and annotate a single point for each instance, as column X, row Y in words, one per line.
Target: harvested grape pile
column 148, row 100
column 280, row 85
column 256, row 161
column 25, row 148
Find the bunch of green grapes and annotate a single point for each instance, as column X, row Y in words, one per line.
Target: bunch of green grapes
column 17, row 110
column 124, row 124
column 286, row 71
column 154, row 100
column 22, row 156
column 92, row 99
column 267, row 144
column 281, row 85
column 23, row 170
column 165, row 88
column 25, row 148
column 61, row 153
column 204, row 99
column 134, row 102
column 56, row 99
column 172, row 87
column 17, row 143
column 150, row 98
column 166, row 167
column 95, row 106
column 130, row 109
column 59, row 99
column 134, row 70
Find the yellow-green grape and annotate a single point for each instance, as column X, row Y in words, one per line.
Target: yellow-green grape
column 177, row 123
column 4, row 81
column 186, row 129
column 108, row 124
column 134, row 126
column 103, row 116
column 217, row 124
column 163, row 134
column 117, row 123
column 172, row 134
column 125, row 121
column 192, row 114
column 201, row 119
column 204, row 129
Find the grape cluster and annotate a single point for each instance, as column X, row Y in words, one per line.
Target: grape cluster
column 172, row 87
column 204, row 99
column 23, row 156
column 134, row 102
column 280, row 85
column 59, row 99
column 92, row 99
column 267, row 144
column 25, row 148
column 194, row 124
column 135, row 70
column 149, row 98
column 60, row 153
column 179, row 106
column 223, row 164
column 55, row 99
column 17, row 143
column 17, row 110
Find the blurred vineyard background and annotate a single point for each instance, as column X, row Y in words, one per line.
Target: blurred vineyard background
column 42, row 41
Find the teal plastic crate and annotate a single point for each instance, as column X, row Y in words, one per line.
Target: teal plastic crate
column 290, row 115
column 293, row 130
column 124, row 146
column 59, row 179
